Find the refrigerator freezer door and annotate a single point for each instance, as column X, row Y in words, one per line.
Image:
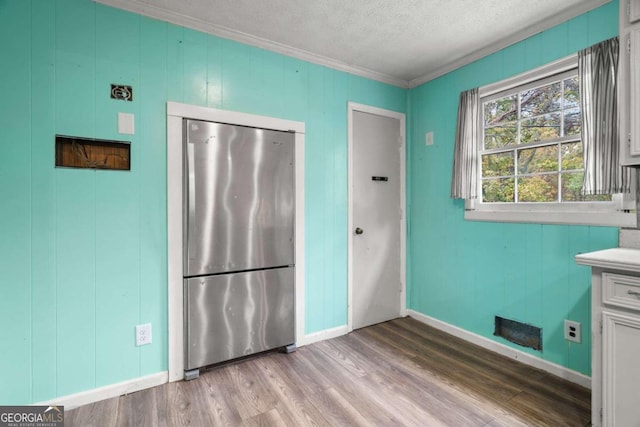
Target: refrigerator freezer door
column 239, row 198
column 233, row 315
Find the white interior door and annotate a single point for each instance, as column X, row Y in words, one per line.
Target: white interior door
column 376, row 217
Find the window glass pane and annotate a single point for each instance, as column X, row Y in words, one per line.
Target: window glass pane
column 541, row 100
column 571, row 156
column 571, row 92
column 500, row 164
column 539, row 159
column 540, row 128
column 500, row 110
column 538, row 188
column 543, row 116
column 500, row 136
column 597, row 198
column 498, row 190
column 571, row 186
column 572, row 122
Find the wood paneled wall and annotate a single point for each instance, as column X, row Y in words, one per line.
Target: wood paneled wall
column 83, row 253
column 465, row 273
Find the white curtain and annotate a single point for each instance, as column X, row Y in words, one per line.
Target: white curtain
column 464, row 179
column 598, row 72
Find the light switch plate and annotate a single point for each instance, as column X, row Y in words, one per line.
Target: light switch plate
column 428, row 138
column 126, row 124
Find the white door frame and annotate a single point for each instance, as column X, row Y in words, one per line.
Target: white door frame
column 351, row 108
column 175, row 113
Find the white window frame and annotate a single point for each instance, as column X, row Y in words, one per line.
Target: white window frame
column 614, row 213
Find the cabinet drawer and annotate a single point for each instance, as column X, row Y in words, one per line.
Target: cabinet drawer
column 621, row 291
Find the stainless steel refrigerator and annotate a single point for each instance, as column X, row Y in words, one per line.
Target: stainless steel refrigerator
column 238, row 241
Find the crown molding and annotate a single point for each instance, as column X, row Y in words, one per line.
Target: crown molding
column 525, row 33
column 163, row 14
column 156, row 12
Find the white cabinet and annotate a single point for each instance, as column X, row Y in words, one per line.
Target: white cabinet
column 615, row 336
column 620, row 374
column 634, row 11
column 629, row 82
column 634, row 92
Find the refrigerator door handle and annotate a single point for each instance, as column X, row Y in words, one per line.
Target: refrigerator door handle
column 191, row 200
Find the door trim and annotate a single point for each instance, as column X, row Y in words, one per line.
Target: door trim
column 351, row 108
column 176, row 112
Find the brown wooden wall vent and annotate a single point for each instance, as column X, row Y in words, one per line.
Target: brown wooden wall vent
column 86, row 153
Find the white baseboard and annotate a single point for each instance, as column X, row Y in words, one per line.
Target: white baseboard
column 326, row 334
column 521, row 356
column 130, row 386
column 112, row 390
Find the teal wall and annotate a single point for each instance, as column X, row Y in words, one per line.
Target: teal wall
column 465, row 273
column 83, row 254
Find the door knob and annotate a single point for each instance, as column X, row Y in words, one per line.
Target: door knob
column 359, row 230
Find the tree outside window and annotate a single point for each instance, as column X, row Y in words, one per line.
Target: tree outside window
column 531, row 149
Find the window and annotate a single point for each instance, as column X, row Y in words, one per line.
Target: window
column 531, row 149
column 530, row 152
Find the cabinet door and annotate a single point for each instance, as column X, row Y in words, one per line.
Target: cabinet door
column 634, row 11
column 634, row 88
column 621, row 369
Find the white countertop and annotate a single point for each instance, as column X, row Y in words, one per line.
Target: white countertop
column 625, row 259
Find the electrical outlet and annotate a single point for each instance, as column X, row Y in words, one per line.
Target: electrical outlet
column 572, row 331
column 143, row 334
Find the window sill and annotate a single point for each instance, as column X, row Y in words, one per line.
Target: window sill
column 610, row 219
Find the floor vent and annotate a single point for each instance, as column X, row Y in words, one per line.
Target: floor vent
column 519, row 333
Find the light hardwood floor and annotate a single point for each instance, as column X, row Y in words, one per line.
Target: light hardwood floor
column 396, row 373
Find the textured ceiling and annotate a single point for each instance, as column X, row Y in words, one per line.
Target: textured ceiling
column 403, row 42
